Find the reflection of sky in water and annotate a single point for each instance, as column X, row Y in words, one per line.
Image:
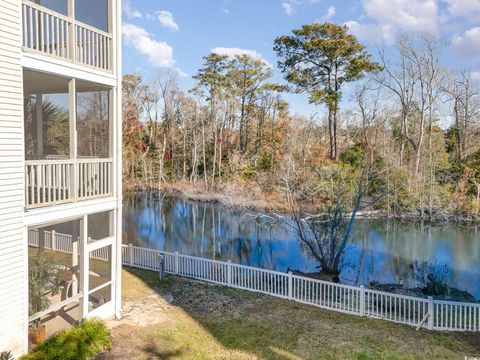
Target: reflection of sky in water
column 380, row 250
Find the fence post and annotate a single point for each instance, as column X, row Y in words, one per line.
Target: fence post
column 290, row 285
column 54, row 245
column 430, row 313
column 162, row 265
column 130, row 253
column 176, row 262
column 229, row 273
column 362, row 300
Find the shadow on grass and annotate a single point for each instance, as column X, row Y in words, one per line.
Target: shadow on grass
column 154, row 351
column 269, row 328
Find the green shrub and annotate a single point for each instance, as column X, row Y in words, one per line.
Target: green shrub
column 80, row 342
column 265, row 162
column 354, row 156
column 248, row 173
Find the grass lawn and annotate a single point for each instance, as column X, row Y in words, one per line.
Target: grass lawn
column 185, row 319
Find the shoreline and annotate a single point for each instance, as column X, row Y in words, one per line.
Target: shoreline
column 242, row 196
column 250, row 196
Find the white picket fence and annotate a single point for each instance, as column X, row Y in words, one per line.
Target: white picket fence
column 415, row 311
column 409, row 310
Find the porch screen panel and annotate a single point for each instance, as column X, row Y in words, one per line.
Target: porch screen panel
column 93, row 124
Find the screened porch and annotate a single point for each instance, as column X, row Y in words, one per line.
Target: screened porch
column 68, row 140
column 71, row 270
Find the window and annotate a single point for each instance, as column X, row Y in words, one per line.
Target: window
column 90, row 12
column 60, row 6
column 93, row 13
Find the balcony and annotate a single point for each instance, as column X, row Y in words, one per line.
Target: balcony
column 68, row 140
column 65, row 37
column 56, row 181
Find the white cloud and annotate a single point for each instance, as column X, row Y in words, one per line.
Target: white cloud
column 288, row 8
column 466, row 8
column 225, row 11
column 476, row 75
column 391, row 17
column 469, row 43
column 406, row 15
column 159, row 53
column 232, row 51
column 372, row 32
column 167, row 20
column 127, row 9
column 330, row 13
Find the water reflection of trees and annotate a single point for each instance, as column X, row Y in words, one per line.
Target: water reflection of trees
column 391, row 246
column 379, row 250
column 208, row 230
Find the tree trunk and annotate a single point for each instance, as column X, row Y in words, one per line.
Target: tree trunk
column 331, row 133
column 161, row 162
column 184, row 152
column 220, row 153
column 215, row 136
column 204, row 156
column 335, row 133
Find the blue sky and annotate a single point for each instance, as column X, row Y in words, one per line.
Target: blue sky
column 175, row 34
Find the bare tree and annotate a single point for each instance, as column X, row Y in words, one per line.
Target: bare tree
column 401, row 81
column 367, row 98
column 465, row 97
column 327, row 234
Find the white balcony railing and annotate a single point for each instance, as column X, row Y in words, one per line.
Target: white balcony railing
column 93, row 47
column 50, row 33
column 94, row 178
column 50, row 182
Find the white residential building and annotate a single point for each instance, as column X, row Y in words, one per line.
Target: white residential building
column 60, row 161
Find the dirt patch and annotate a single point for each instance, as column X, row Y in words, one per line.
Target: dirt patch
column 143, row 312
column 203, row 299
column 193, row 296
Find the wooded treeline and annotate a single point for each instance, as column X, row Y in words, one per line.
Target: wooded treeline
column 410, row 121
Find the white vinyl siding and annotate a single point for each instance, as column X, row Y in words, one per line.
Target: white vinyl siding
column 13, row 218
column 13, row 305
